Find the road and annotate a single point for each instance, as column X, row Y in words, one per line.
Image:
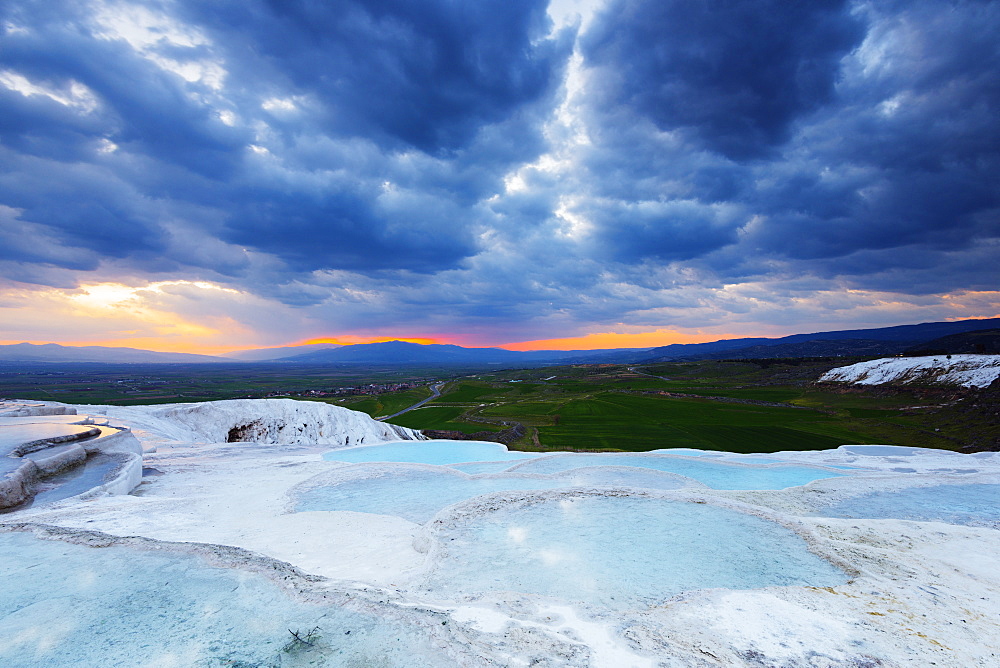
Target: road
column 643, row 373
column 435, row 393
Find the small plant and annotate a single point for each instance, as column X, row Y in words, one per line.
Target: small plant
column 300, row 640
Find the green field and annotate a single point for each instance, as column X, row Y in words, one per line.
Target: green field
column 634, row 422
column 383, row 404
column 440, row 417
column 470, row 393
column 734, row 406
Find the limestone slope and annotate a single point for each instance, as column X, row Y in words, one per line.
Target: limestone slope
column 964, row 370
column 270, row 421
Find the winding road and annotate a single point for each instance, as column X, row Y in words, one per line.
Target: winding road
column 435, row 393
column 643, row 373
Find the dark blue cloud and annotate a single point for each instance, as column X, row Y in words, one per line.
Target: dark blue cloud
column 908, row 156
column 139, row 106
column 735, row 75
column 880, row 143
column 43, row 127
column 85, row 206
column 344, row 229
column 664, row 232
column 426, row 74
column 436, row 100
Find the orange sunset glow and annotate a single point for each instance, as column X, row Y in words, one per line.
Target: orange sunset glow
column 348, row 340
column 659, row 337
column 201, row 317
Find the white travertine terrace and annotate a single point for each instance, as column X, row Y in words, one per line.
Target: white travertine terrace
column 283, row 421
column 964, row 370
column 913, row 593
column 40, row 441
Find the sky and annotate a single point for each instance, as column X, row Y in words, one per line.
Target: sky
column 208, row 176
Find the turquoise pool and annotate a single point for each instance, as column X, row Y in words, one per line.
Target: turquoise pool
column 418, row 493
column 441, row 453
column 620, row 552
column 974, row 505
column 477, row 457
column 71, row 605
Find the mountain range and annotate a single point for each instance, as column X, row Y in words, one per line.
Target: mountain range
column 402, row 352
column 53, row 352
column 848, row 342
column 268, row 354
column 881, row 341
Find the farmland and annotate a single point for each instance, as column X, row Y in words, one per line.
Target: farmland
column 716, row 405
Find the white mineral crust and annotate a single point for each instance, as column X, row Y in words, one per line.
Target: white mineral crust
column 915, row 594
column 964, row 370
column 283, row 421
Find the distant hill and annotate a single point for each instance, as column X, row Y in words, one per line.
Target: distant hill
column 679, row 350
column 268, row 354
column 402, row 352
column 877, row 341
column 818, row 348
column 53, row 352
column 982, row 342
column 963, row 336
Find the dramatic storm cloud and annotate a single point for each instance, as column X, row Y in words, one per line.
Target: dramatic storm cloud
column 491, row 172
column 734, row 78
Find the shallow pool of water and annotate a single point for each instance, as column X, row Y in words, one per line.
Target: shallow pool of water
column 880, row 450
column 974, row 505
column 714, row 474
column 77, row 480
column 476, row 468
column 712, row 454
column 70, row 605
column 428, row 452
column 14, row 435
column 477, row 457
column 417, row 494
column 621, row 552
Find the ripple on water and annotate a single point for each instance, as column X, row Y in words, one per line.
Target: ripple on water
column 620, row 552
